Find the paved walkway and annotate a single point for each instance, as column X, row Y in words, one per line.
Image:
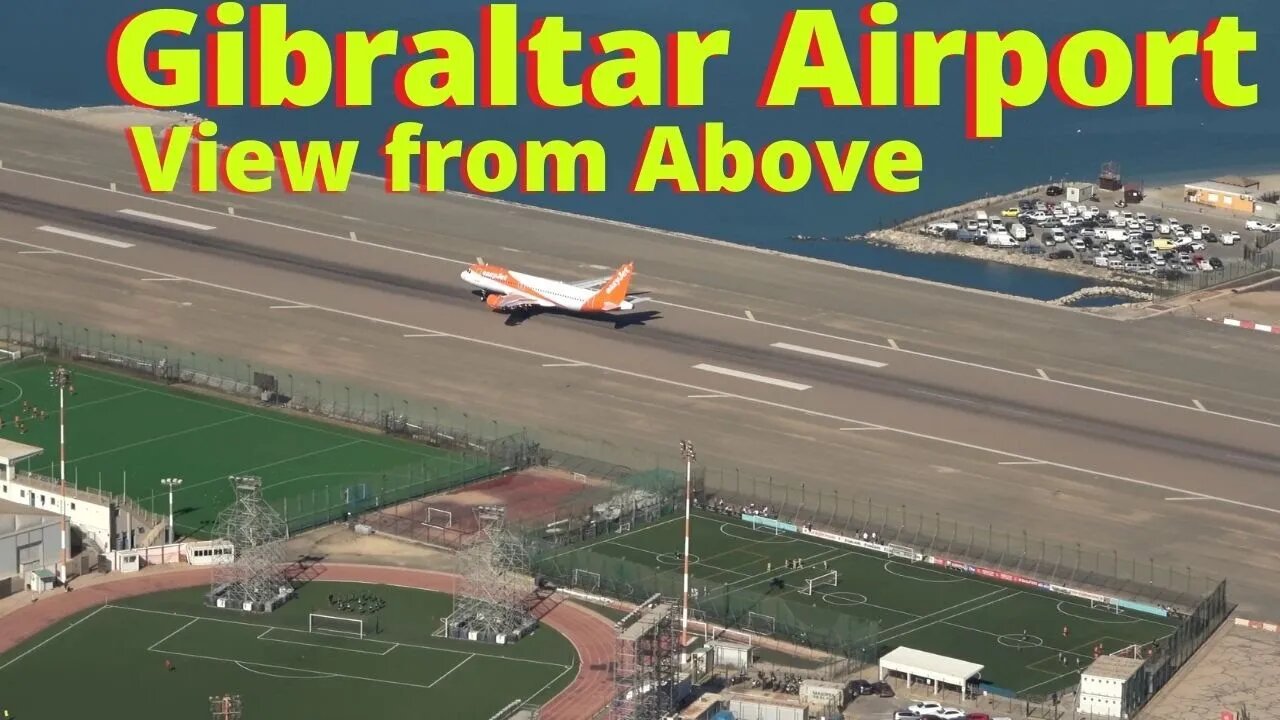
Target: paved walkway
column 590, row 633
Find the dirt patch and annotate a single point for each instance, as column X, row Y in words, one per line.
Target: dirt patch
column 536, row 495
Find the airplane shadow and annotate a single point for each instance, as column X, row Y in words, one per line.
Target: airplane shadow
column 618, row 320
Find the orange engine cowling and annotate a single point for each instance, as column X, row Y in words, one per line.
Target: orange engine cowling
column 493, row 301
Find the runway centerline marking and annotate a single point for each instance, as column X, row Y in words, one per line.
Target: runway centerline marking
column 816, row 333
column 679, row 384
column 742, row 375
column 166, row 219
column 85, row 236
column 828, row 355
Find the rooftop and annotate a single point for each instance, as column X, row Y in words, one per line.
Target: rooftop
column 12, row 452
column 1114, row 667
column 8, row 507
column 1218, row 187
column 918, row 662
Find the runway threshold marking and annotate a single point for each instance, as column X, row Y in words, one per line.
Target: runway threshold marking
column 751, row 376
column 828, row 355
column 84, row 236
column 808, row 412
column 166, row 219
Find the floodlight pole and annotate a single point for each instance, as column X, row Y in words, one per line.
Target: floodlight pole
column 686, row 451
column 171, row 483
column 61, row 379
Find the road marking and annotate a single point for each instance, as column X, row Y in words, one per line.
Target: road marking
column 1022, row 462
column 1097, row 474
column 84, row 236
column 1043, row 375
column 166, row 219
column 816, row 333
column 751, row 376
column 893, row 343
column 707, row 396
column 159, row 279
column 564, row 364
column 864, row 427
column 38, row 252
column 231, row 210
column 1176, row 499
column 1199, row 405
column 514, row 250
column 828, row 355
column 422, row 335
column 750, row 317
column 289, row 307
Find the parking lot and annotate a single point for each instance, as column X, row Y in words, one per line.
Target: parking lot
column 1159, row 238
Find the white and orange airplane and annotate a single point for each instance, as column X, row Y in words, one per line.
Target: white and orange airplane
column 507, row 290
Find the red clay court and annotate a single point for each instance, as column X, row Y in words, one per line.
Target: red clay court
column 536, row 495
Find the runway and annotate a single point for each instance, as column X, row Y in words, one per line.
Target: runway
column 1157, row 439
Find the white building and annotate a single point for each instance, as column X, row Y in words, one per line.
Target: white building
column 1111, row 687
column 102, row 518
column 29, row 541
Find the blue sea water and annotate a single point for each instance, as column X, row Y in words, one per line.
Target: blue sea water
column 53, row 56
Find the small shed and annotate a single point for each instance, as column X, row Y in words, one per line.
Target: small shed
column 125, row 561
column 1080, row 192
column 732, row 655
column 1133, row 193
column 942, row 670
column 12, row 453
column 40, row 580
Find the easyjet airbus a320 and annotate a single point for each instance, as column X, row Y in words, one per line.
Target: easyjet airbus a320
column 506, row 290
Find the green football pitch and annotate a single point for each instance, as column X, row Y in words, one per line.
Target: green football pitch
column 1015, row 632
column 279, row 668
column 125, row 434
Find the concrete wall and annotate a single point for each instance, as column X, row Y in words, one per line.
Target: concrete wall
column 1266, row 210
column 29, row 542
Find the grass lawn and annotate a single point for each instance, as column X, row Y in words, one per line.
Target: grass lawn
column 126, row 431
column 1015, row 632
column 278, row 667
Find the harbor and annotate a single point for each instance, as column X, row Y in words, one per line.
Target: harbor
column 1130, row 242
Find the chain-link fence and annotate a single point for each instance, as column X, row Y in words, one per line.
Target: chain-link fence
column 1019, row 552
column 1253, row 262
column 480, row 448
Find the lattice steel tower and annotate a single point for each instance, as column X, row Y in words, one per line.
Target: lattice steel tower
column 494, row 588
column 254, row 580
column 646, row 661
column 225, row 707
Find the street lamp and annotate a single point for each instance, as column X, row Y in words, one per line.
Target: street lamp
column 61, row 379
column 686, row 452
column 171, row 483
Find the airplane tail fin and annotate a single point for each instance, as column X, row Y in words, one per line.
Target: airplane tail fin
column 614, row 292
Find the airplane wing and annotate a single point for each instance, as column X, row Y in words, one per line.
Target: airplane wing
column 516, row 301
column 595, row 284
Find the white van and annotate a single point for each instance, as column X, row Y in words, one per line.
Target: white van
column 1018, row 231
column 1001, row 240
column 980, row 215
column 1100, row 261
column 1115, row 235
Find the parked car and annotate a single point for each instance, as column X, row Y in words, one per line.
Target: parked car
column 922, row 707
column 950, row 714
column 905, row 715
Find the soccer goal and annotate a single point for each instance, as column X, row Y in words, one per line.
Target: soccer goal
column 902, row 551
column 1106, row 606
column 827, row 578
column 438, row 518
column 760, row 623
column 337, row 625
column 764, row 525
column 586, row 580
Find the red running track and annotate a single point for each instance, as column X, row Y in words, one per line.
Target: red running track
column 591, row 634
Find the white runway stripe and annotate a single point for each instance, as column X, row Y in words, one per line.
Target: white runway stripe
column 828, row 355
column 166, row 219
column 751, row 376
column 84, row 236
